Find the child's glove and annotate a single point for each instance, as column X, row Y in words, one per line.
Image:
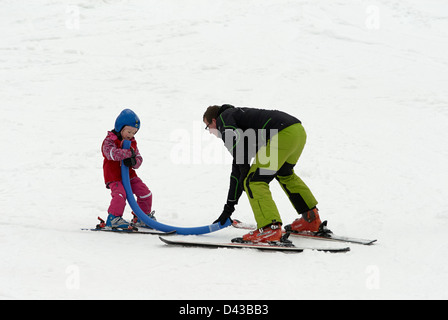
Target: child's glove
column 130, row 162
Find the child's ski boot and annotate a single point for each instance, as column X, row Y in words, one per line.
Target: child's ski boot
column 115, row 222
column 138, row 223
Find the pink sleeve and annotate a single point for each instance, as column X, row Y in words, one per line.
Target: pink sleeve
column 138, row 158
column 112, row 152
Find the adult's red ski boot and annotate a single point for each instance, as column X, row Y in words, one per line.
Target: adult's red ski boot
column 310, row 221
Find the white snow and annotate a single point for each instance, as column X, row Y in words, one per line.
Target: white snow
column 368, row 79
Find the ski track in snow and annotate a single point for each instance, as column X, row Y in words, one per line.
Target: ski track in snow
column 368, row 79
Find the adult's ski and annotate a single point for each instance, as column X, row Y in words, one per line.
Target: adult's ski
column 238, row 245
column 322, row 234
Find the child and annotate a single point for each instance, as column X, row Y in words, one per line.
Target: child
column 126, row 126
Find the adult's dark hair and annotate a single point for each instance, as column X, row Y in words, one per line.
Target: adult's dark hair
column 211, row 113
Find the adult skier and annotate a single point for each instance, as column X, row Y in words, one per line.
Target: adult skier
column 275, row 140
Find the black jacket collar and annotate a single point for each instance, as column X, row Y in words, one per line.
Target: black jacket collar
column 224, row 107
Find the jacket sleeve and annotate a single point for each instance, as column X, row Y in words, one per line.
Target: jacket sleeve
column 241, row 144
column 138, row 158
column 229, row 132
column 111, row 152
column 236, row 186
column 231, row 136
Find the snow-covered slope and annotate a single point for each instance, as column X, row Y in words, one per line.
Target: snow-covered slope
column 367, row 78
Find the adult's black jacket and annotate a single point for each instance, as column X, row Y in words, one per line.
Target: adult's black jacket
column 244, row 131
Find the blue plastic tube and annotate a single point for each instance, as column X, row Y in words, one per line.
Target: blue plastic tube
column 151, row 222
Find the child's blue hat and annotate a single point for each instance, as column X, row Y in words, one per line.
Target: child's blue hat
column 127, row 117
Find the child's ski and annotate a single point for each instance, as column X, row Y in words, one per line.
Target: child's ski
column 322, row 234
column 132, row 229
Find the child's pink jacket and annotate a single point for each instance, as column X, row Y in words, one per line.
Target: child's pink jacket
column 113, row 155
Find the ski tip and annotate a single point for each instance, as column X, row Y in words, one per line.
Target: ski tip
column 164, row 240
column 333, row 250
column 236, row 222
column 167, row 233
